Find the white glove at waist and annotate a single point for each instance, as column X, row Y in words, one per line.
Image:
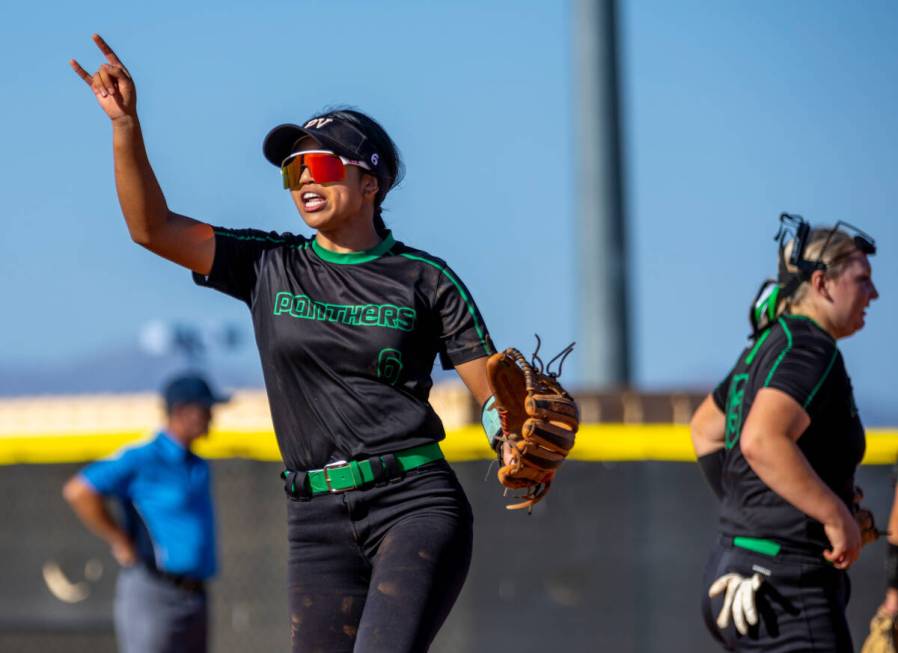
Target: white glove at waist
column 739, row 600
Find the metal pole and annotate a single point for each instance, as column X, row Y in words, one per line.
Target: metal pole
column 603, row 338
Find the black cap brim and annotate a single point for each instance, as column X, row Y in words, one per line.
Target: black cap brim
column 221, row 399
column 279, row 142
column 206, row 402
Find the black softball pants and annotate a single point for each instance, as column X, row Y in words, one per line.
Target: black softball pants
column 801, row 604
column 377, row 570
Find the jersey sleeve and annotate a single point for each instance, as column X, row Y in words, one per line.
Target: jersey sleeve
column 463, row 334
column 112, row 476
column 239, row 255
column 801, row 367
column 720, row 393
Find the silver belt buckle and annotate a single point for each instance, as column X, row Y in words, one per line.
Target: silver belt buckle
column 339, row 464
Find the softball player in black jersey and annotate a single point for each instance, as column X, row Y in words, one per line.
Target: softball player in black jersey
column 348, row 325
column 779, row 439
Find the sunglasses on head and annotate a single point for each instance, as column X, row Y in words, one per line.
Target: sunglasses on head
column 324, row 166
column 800, row 230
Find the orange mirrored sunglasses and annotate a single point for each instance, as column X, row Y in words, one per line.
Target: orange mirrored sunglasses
column 324, row 166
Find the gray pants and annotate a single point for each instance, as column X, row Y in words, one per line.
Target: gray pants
column 154, row 616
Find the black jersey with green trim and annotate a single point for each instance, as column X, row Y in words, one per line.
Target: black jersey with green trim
column 348, row 341
column 796, row 356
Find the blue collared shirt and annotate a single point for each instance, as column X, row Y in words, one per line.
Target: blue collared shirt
column 166, row 494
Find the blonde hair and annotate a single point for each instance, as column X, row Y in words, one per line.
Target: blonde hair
column 839, row 248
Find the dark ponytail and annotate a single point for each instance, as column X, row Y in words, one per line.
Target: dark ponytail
column 379, row 225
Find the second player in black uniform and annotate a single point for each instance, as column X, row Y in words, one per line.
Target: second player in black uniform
column 348, row 325
column 780, row 439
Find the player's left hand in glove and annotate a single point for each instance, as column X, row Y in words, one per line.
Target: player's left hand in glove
column 539, row 421
column 739, row 603
column 883, row 637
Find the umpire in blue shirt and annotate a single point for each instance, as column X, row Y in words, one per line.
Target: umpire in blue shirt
column 165, row 541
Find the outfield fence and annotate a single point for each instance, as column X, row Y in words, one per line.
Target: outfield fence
column 611, row 560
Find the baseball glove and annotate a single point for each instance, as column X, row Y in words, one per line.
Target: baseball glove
column 539, row 421
column 882, row 637
column 864, row 518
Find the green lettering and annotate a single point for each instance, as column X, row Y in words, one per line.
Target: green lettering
column 735, row 397
column 370, row 315
column 282, row 302
column 388, row 314
column 329, row 312
column 339, row 313
column 353, row 314
column 406, row 319
column 302, row 306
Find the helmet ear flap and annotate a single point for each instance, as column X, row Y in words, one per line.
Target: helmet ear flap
column 763, row 309
column 771, row 303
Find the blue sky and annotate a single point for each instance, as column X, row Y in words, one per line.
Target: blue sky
column 733, row 112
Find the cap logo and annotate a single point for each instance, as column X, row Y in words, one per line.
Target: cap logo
column 375, row 159
column 318, row 123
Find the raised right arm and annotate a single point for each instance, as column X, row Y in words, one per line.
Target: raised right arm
column 151, row 224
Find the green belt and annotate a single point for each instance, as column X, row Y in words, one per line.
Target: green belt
column 344, row 476
column 758, row 545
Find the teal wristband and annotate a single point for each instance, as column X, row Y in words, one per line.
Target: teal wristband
column 491, row 422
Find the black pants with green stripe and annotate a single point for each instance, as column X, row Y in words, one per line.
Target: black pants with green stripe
column 801, row 604
column 377, row 570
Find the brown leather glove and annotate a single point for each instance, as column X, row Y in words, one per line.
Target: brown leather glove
column 539, row 421
column 864, row 519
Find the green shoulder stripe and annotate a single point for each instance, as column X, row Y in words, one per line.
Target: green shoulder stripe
column 464, row 296
column 783, row 353
column 822, row 379
column 754, row 350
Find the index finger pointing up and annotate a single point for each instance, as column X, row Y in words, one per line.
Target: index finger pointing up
column 106, row 50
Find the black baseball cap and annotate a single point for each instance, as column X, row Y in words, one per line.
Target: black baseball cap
column 333, row 131
column 190, row 389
